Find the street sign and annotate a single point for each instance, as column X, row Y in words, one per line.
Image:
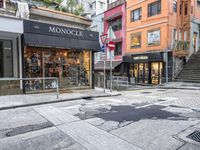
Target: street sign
column 103, row 38
column 111, row 45
column 103, row 56
column 102, row 48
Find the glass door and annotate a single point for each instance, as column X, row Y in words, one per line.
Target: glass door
column 156, row 72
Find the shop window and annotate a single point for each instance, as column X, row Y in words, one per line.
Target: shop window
column 1, row 3
column 154, row 8
column 71, row 67
column 135, row 40
column 118, row 48
column 175, row 5
column 154, row 37
column 116, row 24
column 6, row 58
column 136, row 14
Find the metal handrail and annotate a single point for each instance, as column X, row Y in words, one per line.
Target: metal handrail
column 39, row 78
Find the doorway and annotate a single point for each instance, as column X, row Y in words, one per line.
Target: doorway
column 156, row 72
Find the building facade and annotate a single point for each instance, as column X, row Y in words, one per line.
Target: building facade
column 149, row 34
column 47, row 44
column 115, row 20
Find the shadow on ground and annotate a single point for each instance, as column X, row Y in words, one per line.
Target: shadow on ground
column 131, row 113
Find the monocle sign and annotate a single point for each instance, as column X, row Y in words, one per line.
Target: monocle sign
column 65, row 31
column 140, row 58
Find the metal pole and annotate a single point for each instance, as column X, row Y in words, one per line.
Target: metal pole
column 166, row 61
column 104, row 76
column 57, row 88
column 110, row 72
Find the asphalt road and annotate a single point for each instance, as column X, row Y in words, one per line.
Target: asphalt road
column 151, row 119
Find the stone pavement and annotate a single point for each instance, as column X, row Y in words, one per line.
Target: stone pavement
column 14, row 101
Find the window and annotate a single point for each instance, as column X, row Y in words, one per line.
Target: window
column 198, row 3
column 186, row 9
column 136, row 14
column 174, row 34
column 116, row 24
column 1, row 3
column 101, row 5
column 175, row 5
column 135, row 40
column 154, row 8
column 180, row 9
column 118, row 48
column 6, row 58
column 154, row 37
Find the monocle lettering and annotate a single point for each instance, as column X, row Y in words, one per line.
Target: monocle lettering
column 72, row 32
column 140, row 58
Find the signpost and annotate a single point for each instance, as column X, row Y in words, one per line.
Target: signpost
column 103, row 57
column 111, row 46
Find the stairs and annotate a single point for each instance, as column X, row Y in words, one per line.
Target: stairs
column 191, row 71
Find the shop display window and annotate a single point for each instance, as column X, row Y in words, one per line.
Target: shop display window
column 71, row 67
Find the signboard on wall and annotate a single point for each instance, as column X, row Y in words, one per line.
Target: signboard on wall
column 154, row 37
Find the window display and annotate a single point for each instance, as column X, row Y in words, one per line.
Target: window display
column 71, row 67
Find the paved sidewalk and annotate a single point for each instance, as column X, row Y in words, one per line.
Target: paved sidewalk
column 180, row 85
column 14, row 101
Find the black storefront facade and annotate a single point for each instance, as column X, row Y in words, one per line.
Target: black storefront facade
column 148, row 68
column 56, row 51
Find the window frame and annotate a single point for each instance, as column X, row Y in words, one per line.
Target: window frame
column 158, row 11
column 131, row 38
column 175, row 4
column 132, row 19
column 153, row 30
column 117, row 52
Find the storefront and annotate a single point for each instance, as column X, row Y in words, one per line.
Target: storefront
column 147, row 68
column 56, row 51
column 10, row 50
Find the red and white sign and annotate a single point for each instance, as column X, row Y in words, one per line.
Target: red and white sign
column 111, row 45
column 103, row 38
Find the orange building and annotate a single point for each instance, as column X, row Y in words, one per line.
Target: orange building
column 155, row 28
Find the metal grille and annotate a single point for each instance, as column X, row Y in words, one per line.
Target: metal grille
column 195, row 136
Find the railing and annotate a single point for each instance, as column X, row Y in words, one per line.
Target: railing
column 36, row 83
column 180, row 48
column 178, row 69
column 120, row 82
column 115, row 4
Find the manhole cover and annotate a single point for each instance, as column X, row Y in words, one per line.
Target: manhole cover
column 195, row 136
column 146, row 92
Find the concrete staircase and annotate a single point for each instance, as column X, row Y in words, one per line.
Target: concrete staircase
column 191, row 71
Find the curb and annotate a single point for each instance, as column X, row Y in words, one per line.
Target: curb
column 182, row 88
column 56, row 101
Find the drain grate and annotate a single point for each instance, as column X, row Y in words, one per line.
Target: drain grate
column 195, row 136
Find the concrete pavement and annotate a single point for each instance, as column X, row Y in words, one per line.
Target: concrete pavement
column 150, row 119
column 15, row 101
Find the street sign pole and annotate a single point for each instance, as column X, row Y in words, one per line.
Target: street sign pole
column 110, row 71
column 103, row 40
column 111, row 46
column 104, row 75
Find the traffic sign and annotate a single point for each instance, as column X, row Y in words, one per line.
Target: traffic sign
column 103, row 56
column 103, row 48
column 111, row 45
column 103, row 38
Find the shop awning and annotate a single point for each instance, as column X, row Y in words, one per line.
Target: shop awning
column 100, row 65
column 60, row 42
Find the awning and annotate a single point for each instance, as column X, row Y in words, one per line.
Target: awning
column 60, row 42
column 100, row 65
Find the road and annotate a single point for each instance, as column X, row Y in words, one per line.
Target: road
column 149, row 119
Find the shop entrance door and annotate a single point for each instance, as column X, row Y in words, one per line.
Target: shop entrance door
column 141, row 72
column 156, row 72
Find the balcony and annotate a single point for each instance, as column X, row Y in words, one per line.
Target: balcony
column 180, row 48
column 115, row 4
